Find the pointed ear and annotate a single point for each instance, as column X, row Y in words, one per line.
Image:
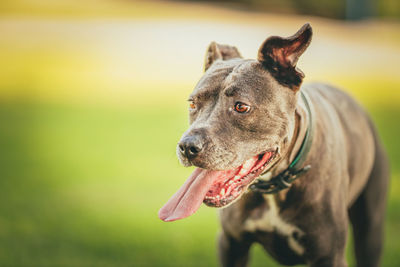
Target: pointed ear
column 217, row 51
column 280, row 55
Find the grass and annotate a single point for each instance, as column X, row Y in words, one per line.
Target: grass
column 92, row 104
column 81, row 186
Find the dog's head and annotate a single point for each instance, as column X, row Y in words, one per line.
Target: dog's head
column 242, row 114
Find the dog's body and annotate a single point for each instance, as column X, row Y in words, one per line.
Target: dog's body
column 242, row 108
column 308, row 223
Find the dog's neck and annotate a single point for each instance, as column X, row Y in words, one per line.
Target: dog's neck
column 290, row 151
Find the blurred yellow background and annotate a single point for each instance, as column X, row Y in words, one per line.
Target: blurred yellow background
column 93, row 101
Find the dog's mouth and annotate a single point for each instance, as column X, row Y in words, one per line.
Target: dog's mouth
column 231, row 186
column 214, row 188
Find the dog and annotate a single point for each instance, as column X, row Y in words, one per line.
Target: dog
column 290, row 164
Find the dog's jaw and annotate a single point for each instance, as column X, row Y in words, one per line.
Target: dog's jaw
column 223, row 193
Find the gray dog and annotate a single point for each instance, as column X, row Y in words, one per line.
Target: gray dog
column 291, row 164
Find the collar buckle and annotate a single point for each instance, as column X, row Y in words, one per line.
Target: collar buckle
column 281, row 181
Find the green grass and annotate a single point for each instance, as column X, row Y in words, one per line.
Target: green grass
column 81, row 186
column 91, row 111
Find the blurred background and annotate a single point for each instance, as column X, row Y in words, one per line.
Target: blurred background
column 93, row 101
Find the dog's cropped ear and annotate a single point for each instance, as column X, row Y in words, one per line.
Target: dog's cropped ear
column 217, row 51
column 280, row 55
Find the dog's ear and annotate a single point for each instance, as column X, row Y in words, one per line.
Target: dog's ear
column 217, row 51
column 280, row 55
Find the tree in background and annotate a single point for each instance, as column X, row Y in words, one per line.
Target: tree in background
column 338, row 9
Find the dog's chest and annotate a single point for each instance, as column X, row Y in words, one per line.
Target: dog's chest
column 271, row 221
column 268, row 228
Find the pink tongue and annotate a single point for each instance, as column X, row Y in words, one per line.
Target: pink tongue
column 189, row 197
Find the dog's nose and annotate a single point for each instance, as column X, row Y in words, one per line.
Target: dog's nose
column 190, row 146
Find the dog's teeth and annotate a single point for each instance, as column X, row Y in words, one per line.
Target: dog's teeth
column 230, row 182
column 217, row 197
column 222, row 192
column 242, row 171
column 248, row 164
column 228, row 191
column 237, row 177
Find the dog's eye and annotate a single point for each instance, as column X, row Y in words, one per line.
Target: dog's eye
column 241, row 107
column 192, row 105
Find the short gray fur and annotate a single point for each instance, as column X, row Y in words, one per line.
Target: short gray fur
column 349, row 175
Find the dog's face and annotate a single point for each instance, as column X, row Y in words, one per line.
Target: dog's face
column 237, row 110
column 241, row 108
column 242, row 114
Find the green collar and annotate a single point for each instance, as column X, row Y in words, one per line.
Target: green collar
column 295, row 170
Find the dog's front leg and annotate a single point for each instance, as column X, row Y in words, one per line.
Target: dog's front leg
column 330, row 249
column 232, row 252
column 336, row 261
